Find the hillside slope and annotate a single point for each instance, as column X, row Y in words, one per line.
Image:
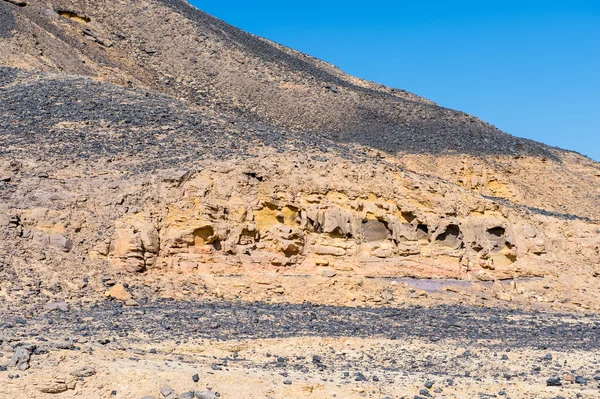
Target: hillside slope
column 187, row 210
column 171, row 47
column 147, row 140
column 102, row 179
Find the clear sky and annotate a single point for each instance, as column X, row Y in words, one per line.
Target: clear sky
column 530, row 67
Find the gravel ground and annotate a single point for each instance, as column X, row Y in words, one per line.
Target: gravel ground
column 222, row 320
column 256, row 350
column 67, row 118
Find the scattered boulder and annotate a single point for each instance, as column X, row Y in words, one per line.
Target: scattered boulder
column 61, row 242
column 554, row 382
column 119, row 292
column 131, row 302
column 86, row 371
column 332, row 251
column 56, row 385
column 95, row 37
column 206, row 395
column 166, row 391
column 53, row 306
column 329, row 273
column 21, row 357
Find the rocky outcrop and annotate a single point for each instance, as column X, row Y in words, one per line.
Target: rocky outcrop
column 134, row 246
column 301, row 216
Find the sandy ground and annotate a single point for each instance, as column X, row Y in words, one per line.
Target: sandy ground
column 278, row 356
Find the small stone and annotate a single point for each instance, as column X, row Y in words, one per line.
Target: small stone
column 329, row 273
column 131, row 302
column 287, row 382
column 118, row 291
column 195, row 378
column 553, row 382
column 206, row 395
column 20, row 359
column 52, row 306
column 186, row 395
column 55, row 385
column 428, row 384
column 166, row 391
column 87, row 371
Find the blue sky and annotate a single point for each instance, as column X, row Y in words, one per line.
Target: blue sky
column 532, row 68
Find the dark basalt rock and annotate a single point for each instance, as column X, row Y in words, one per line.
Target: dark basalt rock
column 136, row 120
column 170, row 321
column 7, row 22
column 19, row 3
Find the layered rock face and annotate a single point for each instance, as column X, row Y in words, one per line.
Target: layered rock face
column 298, row 220
column 287, row 215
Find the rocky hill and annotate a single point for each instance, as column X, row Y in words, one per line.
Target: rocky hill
column 172, row 48
column 114, row 93
column 152, row 152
